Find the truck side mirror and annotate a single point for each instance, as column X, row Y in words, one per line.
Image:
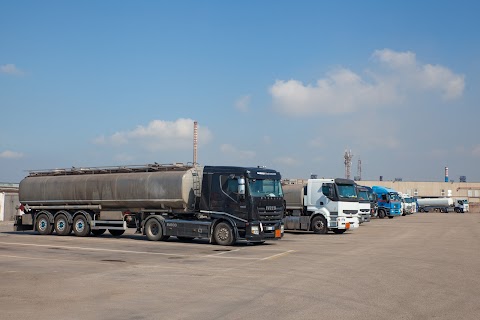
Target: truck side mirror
column 241, row 187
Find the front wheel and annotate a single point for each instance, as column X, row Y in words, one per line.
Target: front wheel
column 319, row 225
column 223, row 234
column 381, row 214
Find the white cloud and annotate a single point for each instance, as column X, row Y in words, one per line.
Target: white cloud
column 159, row 135
column 232, row 151
column 243, row 103
column 7, row 154
column 124, row 158
column 10, row 69
column 423, row 76
column 288, row 161
column 343, row 91
column 476, row 150
column 317, row 142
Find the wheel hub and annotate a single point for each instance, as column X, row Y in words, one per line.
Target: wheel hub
column 223, row 234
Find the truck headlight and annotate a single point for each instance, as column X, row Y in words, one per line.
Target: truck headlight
column 255, row 230
column 282, row 228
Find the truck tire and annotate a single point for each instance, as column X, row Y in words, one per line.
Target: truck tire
column 81, row 227
column 339, row 231
column 381, row 214
column 62, row 226
column 98, row 232
column 154, row 231
column 319, row 225
column 223, row 234
column 116, row 233
column 43, row 225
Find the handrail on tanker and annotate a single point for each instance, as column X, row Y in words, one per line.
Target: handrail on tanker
column 111, row 169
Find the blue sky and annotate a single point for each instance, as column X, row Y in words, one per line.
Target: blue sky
column 286, row 84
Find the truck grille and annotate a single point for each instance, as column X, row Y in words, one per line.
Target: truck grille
column 269, row 213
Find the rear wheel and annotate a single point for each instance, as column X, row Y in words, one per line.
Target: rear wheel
column 116, row 233
column 319, row 225
column 223, row 234
column 62, row 227
column 154, row 231
column 98, row 232
column 81, row 228
column 43, row 225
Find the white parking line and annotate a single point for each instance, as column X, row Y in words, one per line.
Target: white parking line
column 92, row 249
column 275, row 256
column 50, row 259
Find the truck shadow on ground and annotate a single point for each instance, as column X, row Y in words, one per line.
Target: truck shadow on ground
column 140, row 237
column 305, row 233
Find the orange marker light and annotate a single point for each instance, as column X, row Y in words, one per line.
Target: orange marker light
column 278, row 233
column 347, row 225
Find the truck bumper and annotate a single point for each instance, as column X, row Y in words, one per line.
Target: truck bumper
column 347, row 223
column 364, row 218
column 267, row 232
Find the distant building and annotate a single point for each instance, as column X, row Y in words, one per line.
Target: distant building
column 8, row 201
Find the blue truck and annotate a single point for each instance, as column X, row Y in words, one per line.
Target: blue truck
column 389, row 202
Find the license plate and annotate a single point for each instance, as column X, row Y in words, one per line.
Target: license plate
column 269, row 228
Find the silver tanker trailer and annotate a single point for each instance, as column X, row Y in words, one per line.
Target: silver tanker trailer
column 223, row 204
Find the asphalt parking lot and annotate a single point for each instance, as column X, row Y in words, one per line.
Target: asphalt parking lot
column 422, row 266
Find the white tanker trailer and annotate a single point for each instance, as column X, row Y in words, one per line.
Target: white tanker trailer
column 223, row 204
column 434, row 204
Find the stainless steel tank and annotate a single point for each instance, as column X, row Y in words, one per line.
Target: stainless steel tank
column 293, row 195
column 148, row 190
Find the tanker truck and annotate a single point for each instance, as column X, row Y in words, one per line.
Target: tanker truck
column 321, row 205
column 434, row 204
column 461, row 205
column 219, row 203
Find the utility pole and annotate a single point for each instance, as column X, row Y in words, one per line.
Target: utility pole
column 348, row 163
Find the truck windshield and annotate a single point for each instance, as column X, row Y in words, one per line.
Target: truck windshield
column 363, row 195
column 394, row 196
column 265, row 188
column 347, row 191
